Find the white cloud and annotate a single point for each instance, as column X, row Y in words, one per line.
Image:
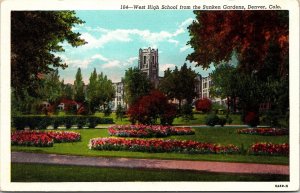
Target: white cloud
column 127, row 35
column 184, row 48
column 173, row 41
column 111, row 64
column 100, row 57
column 164, row 67
column 130, row 61
column 79, row 63
column 186, row 22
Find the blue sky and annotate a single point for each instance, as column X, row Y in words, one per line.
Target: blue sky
column 114, row 39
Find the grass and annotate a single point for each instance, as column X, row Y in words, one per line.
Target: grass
column 60, row 173
column 212, row 135
column 197, row 119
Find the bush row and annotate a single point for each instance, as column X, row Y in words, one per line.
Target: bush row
column 41, row 122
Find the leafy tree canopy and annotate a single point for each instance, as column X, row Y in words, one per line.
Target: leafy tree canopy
column 79, row 94
column 179, row 84
column 100, row 91
column 136, row 84
column 35, row 37
column 252, row 34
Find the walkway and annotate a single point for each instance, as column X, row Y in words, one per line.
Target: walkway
column 226, row 167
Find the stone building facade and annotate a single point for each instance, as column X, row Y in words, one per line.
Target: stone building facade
column 119, row 95
column 148, row 64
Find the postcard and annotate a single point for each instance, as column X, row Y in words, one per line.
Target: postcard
column 130, row 95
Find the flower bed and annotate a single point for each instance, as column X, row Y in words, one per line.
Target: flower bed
column 42, row 138
column 269, row 149
column 64, row 136
column 31, row 138
column 264, row 131
column 159, row 145
column 147, row 131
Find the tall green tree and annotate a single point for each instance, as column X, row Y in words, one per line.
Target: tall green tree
column 52, row 87
column 93, row 92
column 100, row 92
column 35, row 38
column 136, row 84
column 67, row 91
column 106, row 92
column 179, row 84
column 79, row 94
column 225, row 84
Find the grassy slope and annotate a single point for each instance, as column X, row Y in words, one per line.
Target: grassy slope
column 212, row 135
column 59, row 173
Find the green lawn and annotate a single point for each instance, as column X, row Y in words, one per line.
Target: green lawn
column 198, row 119
column 212, row 135
column 60, row 173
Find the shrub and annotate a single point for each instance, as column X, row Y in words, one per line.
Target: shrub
column 169, row 114
column 41, row 122
column 187, row 111
column 57, row 121
column 228, row 120
column 212, row 120
column 68, row 121
column 81, row 121
column 222, row 121
column 120, row 112
column 252, row 119
column 151, row 107
column 203, row 105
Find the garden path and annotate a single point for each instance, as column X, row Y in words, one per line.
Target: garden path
column 207, row 166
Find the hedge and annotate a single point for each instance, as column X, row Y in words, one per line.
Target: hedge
column 41, row 121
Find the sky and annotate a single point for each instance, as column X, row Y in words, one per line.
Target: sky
column 115, row 37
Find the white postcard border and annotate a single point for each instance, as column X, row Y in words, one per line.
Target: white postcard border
column 6, row 185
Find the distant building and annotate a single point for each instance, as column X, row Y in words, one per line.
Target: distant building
column 202, row 88
column 119, row 95
column 148, row 64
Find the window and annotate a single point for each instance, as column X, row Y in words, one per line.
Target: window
column 205, row 85
column 144, row 59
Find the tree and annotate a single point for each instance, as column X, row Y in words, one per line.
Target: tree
column 67, row 91
column 151, row 107
column 136, row 85
column 120, row 112
column 179, row 84
column 100, row 92
column 203, row 105
column 260, row 40
column 35, row 37
column 93, row 92
column 106, row 92
column 224, row 79
column 79, row 95
column 52, row 87
column 216, row 34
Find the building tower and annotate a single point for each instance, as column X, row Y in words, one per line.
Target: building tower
column 148, row 63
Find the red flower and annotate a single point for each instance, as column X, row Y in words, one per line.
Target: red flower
column 159, row 145
column 42, row 138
